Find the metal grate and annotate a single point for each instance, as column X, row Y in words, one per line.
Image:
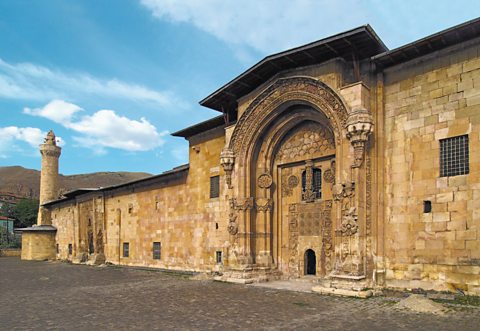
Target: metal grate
column 126, row 249
column 156, row 250
column 214, row 187
column 317, row 183
column 454, row 158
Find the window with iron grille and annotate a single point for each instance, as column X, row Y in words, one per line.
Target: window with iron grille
column 70, row 249
column 126, row 249
column 214, row 187
column 316, row 182
column 157, row 250
column 454, row 158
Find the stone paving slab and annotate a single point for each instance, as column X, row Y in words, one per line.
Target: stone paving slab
column 60, row 296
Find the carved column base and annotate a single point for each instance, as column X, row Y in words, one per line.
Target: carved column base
column 264, row 259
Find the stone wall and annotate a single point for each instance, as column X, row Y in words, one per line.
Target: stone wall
column 64, row 220
column 177, row 212
column 38, row 245
column 426, row 100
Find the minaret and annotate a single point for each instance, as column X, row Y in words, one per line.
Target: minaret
column 49, row 176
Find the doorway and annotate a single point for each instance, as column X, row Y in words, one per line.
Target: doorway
column 310, row 262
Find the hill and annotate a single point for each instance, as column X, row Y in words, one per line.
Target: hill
column 26, row 182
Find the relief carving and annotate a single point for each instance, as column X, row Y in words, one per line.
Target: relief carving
column 293, row 240
column 287, row 189
column 292, row 181
column 227, row 160
column 241, row 204
column 327, row 247
column 264, row 204
column 308, row 195
column 368, row 218
column 310, row 139
column 359, row 127
column 329, row 174
column 232, row 227
column 265, row 180
column 283, row 90
column 349, row 224
column 343, row 191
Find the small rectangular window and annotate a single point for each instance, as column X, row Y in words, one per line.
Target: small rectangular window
column 218, row 256
column 427, row 206
column 454, row 156
column 126, row 249
column 57, row 249
column 157, row 250
column 70, row 249
column 214, row 187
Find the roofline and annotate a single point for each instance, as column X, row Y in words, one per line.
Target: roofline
column 209, row 124
column 367, row 28
column 413, row 44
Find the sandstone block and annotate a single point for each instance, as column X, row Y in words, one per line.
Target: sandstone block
column 444, row 197
column 441, row 217
column 466, row 234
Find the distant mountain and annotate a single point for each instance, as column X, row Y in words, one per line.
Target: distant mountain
column 26, row 182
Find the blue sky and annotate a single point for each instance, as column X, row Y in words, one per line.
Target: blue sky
column 114, row 78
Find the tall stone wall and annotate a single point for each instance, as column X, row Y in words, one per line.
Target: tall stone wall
column 64, row 219
column 427, row 100
column 177, row 212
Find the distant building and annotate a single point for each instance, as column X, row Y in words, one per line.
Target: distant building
column 10, row 198
column 7, row 223
column 339, row 160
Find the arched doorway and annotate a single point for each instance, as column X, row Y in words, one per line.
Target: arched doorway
column 310, row 262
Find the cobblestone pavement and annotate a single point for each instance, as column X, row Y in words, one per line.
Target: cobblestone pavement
column 55, row 295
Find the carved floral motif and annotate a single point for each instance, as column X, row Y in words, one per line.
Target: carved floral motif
column 265, row 180
column 264, row 204
column 349, row 224
column 292, row 181
column 232, row 227
column 294, row 88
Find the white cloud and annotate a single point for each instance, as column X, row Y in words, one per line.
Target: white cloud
column 11, row 135
column 267, row 26
column 103, row 129
column 27, row 81
column 58, row 111
column 32, row 136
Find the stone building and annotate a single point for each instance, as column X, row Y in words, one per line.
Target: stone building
column 340, row 160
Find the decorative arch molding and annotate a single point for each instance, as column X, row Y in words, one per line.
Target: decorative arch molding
column 299, row 89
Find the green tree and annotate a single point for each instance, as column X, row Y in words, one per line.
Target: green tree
column 25, row 212
column 6, row 210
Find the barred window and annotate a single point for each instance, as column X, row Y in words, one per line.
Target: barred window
column 157, row 250
column 214, row 187
column 126, row 249
column 316, row 182
column 454, row 158
column 70, row 249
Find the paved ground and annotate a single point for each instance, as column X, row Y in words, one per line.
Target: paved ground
column 54, row 295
